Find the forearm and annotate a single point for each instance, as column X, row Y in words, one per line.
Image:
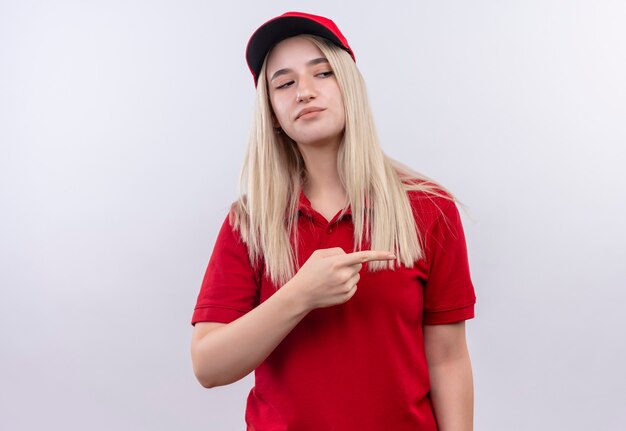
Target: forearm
column 229, row 352
column 452, row 394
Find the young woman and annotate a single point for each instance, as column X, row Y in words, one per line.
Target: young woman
column 340, row 276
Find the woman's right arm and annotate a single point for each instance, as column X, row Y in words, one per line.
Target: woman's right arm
column 224, row 353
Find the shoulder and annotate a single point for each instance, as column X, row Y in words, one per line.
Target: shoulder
column 233, row 229
column 429, row 201
column 438, row 220
column 238, row 217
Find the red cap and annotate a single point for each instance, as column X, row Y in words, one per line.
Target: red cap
column 288, row 25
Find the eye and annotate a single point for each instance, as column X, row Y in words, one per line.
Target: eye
column 325, row 74
column 285, row 85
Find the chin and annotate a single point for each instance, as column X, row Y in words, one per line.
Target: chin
column 317, row 139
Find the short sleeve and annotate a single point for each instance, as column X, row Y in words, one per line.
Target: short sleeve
column 449, row 293
column 230, row 285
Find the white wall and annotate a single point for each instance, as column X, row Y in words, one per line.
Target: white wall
column 122, row 130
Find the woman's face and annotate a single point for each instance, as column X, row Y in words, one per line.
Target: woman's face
column 304, row 93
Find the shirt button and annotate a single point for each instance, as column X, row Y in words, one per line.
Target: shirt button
column 329, row 230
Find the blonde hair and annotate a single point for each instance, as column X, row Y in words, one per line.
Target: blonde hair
column 273, row 171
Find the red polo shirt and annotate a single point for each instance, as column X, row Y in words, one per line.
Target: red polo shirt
column 359, row 365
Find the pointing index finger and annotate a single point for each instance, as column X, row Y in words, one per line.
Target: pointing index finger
column 367, row 256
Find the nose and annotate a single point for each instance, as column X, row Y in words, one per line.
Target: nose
column 305, row 90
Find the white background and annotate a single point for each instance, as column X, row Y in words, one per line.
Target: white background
column 123, row 126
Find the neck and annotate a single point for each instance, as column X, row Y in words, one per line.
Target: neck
column 322, row 179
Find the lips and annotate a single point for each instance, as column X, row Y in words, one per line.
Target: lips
column 308, row 111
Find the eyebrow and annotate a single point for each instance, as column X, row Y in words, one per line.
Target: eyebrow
column 309, row 63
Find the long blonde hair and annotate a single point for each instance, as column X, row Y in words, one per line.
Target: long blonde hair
column 273, row 171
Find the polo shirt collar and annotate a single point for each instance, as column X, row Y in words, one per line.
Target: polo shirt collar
column 304, row 206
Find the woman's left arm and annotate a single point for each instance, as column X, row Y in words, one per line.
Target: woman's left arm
column 450, row 369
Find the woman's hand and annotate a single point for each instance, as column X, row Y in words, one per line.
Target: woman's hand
column 330, row 276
